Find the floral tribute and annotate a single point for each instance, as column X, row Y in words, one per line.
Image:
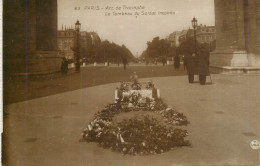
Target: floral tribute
column 139, row 135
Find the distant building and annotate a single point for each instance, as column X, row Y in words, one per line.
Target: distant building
column 84, row 44
column 173, row 38
column 95, row 39
column 206, row 34
column 89, row 41
column 183, row 36
column 66, row 42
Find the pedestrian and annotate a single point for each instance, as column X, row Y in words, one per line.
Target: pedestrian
column 191, row 67
column 203, row 70
column 176, row 62
column 118, row 62
column 198, row 65
column 146, row 61
column 184, row 58
column 163, row 61
column 125, row 62
column 64, row 66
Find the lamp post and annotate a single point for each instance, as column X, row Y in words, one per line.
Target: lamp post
column 77, row 28
column 194, row 22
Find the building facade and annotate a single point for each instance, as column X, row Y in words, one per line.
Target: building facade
column 206, row 34
column 183, row 36
column 66, row 43
column 173, row 38
column 89, row 42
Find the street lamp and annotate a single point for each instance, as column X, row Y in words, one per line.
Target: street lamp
column 77, row 28
column 194, row 22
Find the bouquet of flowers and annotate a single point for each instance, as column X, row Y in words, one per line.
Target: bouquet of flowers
column 149, row 85
column 144, row 135
column 141, row 136
column 136, row 86
column 124, row 86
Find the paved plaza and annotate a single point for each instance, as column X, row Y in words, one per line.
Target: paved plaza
column 224, row 119
column 18, row 89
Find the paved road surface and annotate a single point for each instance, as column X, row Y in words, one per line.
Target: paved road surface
column 22, row 89
column 224, row 120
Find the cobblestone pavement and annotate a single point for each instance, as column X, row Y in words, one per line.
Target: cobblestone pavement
column 224, row 119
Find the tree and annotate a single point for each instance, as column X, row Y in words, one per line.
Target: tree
column 187, row 47
column 111, row 52
column 158, row 49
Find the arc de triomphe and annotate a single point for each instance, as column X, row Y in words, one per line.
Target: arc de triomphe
column 237, row 36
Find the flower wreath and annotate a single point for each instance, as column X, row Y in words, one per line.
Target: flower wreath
column 140, row 135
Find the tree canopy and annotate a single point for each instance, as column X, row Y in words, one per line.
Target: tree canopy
column 158, row 48
column 112, row 52
column 187, row 47
column 95, row 50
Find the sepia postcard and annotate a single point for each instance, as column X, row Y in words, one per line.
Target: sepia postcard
column 131, row 82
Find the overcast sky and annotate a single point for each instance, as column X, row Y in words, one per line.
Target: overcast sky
column 134, row 31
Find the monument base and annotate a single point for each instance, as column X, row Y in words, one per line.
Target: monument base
column 44, row 62
column 234, row 70
column 234, row 62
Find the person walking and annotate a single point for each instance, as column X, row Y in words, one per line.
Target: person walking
column 191, row 67
column 64, row 66
column 176, row 62
column 118, row 62
column 163, row 61
column 125, row 62
column 198, row 65
column 184, row 59
column 203, row 67
column 146, row 61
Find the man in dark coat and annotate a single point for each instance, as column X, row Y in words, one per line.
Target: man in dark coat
column 64, row 66
column 176, row 62
column 163, row 61
column 198, row 65
column 184, row 59
column 190, row 61
column 125, row 62
column 203, row 67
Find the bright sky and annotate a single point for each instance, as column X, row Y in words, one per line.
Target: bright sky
column 132, row 31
